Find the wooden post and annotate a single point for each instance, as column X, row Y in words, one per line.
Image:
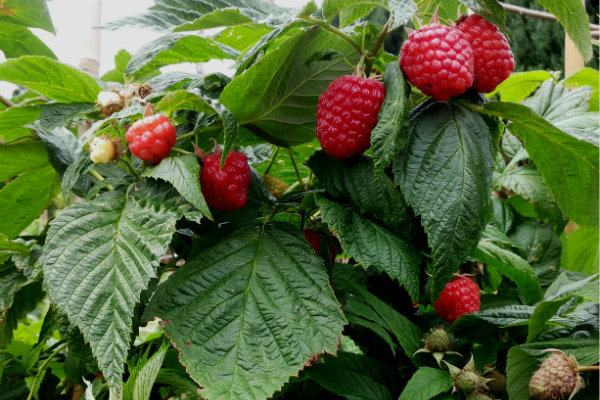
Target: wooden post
column 573, row 58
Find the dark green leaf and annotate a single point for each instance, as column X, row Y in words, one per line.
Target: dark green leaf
column 426, row 383
column 55, row 115
column 372, row 244
column 445, row 174
column 287, row 87
column 520, row 366
column 106, row 251
column 489, row 9
column 16, row 41
column 54, row 80
column 183, row 173
column 183, row 100
column 585, row 349
column 62, row 147
column 75, row 172
column 258, row 288
column 389, row 136
column 569, row 166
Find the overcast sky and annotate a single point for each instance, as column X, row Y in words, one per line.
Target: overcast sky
column 72, row 21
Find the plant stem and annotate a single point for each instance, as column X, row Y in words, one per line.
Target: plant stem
column 298, row 176
column 95, row 174
column 590, row 368
column 371, row 54
column 201, row 130
column 335, row 31
column 6, row 102
column 272, row 160
column 182, row 151
column 128, row 166
column 43, row 368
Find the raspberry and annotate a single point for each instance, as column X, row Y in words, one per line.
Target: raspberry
column 225, row 189
column 493, row 59
column 346, row 115
column 438, row 60
column 556, row 378
column 151, row 138
column 459, row 297
column 497, row 383
column 102, row 150
column 276, row 186
column 314, row 239
column 438, row 340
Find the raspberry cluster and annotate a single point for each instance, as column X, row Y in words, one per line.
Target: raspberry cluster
column 444, row 61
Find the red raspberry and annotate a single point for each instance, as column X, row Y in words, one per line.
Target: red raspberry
column 151, row 138
column 225, row 189
column 314, row 239
column 493, row 59
column 346, row 115
column 459, row 297
column 438, row 60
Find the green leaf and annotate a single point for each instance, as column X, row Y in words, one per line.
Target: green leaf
column 556, row 102
column 489, row 9
column 183, row 173
column 243, row 37
column 176, row 48
column 105, row 252
column 13, row 119
column 55, row 115
column 512, row 266
column 349, row 376
column 19, row 158
column 401, row 11
column 32, row 191
column 249, row 311
column 520, row 85
column 354, row 181
column 74, row 173
column 426, row 383
column 580, row 251
column 215, row 19
column 566, row 285
column 16, row 41
column 569, row 166
column 389, row 136
column 445, row 174
column 288, row 85
column 24, row 299
column 147, row 376
column 32, row 13
column 520, row 366
column 51, row 78
column 585, row 349
column 542, row 313
column 183, row 100
column 572, row 16
column 585, row 77
column 122, row 58
column 373, row 244
column 501, row 214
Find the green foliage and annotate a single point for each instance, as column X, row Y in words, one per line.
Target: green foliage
column 149, row 293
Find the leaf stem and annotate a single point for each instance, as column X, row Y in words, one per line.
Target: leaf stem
column 129, row 166
column 298, row 176
column 272, row 160
column 590, row 368
column 182, row 151
column 95, row 174
column 335, row 31
column 6, row 102
column 193, row 133
column 43, row 368
column 373, row 52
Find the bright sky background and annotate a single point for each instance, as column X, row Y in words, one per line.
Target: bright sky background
column 72, row 21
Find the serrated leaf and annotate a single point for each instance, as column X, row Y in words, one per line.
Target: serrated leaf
column 355, row 181
column 501, row 214
column 176, row 48
column 62, row 147
column 556, row 102
column 569, row 166
column 349, row 376
column 32, row 191
column 51, row 78
column 585, row 77
column 489, row 9
column 401, row 11
column 13, row 119
column 426, row 383
column 73, row 173
column 183, row 173
column 243, row 37
column 106, row 251
column 519, row 85
column 215, row 19
column 249, row 311
column 389, row 136
column 24, row 300
column 32, row 13
column 16, row 41
column 542, row 313
column 445, row 174
column 585, row 349
column 55, row 115
column 146, row 377
column 580, row 251
column 572, row 16
column 512, row 266
column 171, row 80
column 183, row 100
column 288, row 88
column 373, row 244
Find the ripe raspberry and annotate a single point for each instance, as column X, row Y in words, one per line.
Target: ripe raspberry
column 459, row 297
column 151, row 138
column 276, row 186
column 556, row 378
column 314, row 239
column 346, row 115
column 102, row 150
column 438, row 60
column 493, row 59
column 225, row 189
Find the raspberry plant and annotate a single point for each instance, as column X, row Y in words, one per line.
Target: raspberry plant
column 132, row 278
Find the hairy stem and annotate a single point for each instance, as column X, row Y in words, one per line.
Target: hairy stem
column 335, row 31
column 43, row 368
column 298, row 176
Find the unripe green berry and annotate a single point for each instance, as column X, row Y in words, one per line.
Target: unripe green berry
column 467, row 381
column 438, row 340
